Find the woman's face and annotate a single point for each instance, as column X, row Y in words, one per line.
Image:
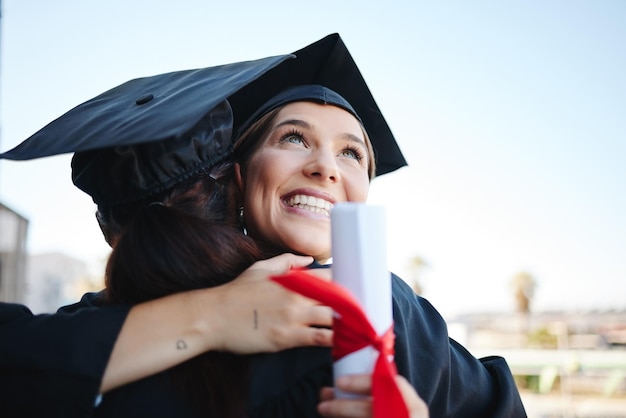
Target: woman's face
column 312, row 157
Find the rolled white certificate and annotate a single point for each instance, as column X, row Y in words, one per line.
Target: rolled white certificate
column 359, row 250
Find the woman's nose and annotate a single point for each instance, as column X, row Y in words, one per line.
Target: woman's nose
column 323, row 166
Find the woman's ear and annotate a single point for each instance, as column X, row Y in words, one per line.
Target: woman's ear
column 239, row 177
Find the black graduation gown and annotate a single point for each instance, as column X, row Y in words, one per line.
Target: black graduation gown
column 451, row 381
column 52, row 365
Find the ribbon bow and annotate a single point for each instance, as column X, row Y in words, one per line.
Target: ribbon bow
column 352, row 331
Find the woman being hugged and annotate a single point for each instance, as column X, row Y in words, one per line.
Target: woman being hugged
column 303, row 151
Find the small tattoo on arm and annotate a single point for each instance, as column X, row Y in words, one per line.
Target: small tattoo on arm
column 256, row 319
column 181, row 345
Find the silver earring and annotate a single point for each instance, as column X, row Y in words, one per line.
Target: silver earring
column 242, row 221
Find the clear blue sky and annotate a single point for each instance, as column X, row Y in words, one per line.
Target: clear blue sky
column 512, row 116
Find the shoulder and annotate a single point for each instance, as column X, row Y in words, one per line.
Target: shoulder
column 416, row 321
column 405, row 300
column 11, row 311
column 89, row 300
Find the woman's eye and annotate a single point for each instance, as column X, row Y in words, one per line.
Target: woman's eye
column 352, row 153
column 293, row 138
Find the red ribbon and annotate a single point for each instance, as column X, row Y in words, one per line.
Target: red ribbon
column 352, row 331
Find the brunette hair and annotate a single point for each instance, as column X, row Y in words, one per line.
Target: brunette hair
column 188, row 239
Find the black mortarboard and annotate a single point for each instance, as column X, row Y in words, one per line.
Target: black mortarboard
column 326, row 62
column 176, row 105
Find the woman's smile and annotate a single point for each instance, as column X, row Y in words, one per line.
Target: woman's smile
column 318, row 203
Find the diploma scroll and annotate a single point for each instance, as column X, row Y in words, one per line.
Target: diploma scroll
column 359, row 250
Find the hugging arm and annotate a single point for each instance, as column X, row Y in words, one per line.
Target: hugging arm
column 60, row 362
column 52, row 364
column 249, row 315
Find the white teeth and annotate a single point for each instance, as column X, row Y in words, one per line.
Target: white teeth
column 314, row 204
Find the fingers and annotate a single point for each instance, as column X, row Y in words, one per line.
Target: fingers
column 310, row 336
column 319, row 315
column 302, row 323
column 279, row 319
column 358, row 384
column 345, row 408
column 416, row 405
column 362, row 406
column 284, row 262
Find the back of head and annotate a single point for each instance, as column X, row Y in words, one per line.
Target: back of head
column 166, row 249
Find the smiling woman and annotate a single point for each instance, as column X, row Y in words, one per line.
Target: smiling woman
column 305, row 149
column 308, row 157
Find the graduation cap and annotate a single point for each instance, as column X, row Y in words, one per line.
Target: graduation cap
column 160, row 114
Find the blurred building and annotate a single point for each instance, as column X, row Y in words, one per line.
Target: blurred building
column 43, row 282
column 13, row 228
column 566, row 364
column 54, row 280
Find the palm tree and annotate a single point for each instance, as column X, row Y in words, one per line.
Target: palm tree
column 523, row 285
column 416, row 265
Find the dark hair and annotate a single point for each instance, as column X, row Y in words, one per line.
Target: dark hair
column 208, row 195
column 165, row 250
column 187, row 240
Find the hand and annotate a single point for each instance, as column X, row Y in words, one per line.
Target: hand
column 362, row 407
column 253, row 314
